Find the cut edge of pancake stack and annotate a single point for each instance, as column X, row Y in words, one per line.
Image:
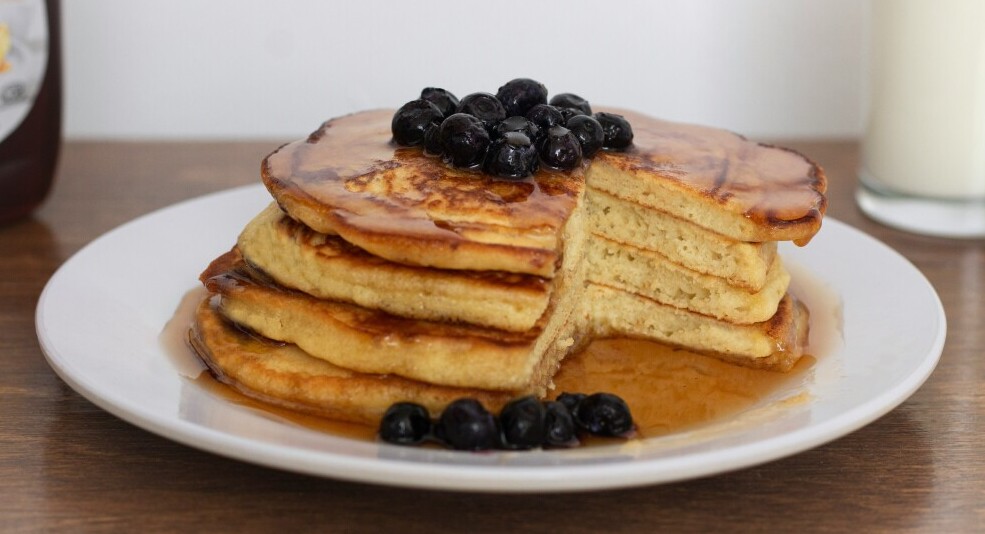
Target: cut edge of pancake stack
column 312, row 320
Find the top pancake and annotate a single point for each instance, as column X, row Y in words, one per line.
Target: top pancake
column 348, row 178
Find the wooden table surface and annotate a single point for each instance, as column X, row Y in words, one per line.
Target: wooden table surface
column 67, row 465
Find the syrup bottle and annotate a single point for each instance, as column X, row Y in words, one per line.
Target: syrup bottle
column 30, row 103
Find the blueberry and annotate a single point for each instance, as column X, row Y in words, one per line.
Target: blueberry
column 521, row 94
column 512, row 156
column 567, row 113
column 522, row 423
column 444, row 100
column 466, row 425
column 618, row 132
column 569, row 100
column 589, row 133
column 545, row 117
column 561, row 149
column 463, row 140
column 516, row 123
column 604, row 414
column 411, row 120
column 484, row 107
column 559, row 426
column 571, row 400
column 432, row 139
column 405, row 423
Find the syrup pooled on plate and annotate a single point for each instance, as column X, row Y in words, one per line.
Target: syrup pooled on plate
column 670, row 389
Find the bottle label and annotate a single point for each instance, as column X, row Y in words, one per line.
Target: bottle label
column 23, row 59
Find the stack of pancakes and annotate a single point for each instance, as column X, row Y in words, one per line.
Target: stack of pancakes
column 380, row 274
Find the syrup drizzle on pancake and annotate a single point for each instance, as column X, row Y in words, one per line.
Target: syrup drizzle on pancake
column 772, row 185
column 351, row 166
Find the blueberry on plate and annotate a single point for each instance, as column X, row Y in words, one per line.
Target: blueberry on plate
column 569, row 100
column 405, row 423
column 571, row 400
column 484, row 107
column 512, row 156
column 521, row 94
column 545, row 117
column 412, row 119
column 604, row 414
column 559, row 426
column 466, row 425
column 463, row 140
column 522, row 422
column 589, row 133
column 443, row 99
column 618, row 132
column 560, row 149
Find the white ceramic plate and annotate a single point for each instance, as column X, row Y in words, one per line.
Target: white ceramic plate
column 100, row 317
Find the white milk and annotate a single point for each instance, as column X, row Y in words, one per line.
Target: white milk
column 926, row 130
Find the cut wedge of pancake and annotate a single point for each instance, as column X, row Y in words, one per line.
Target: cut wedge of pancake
column 775, row 344
column 284, row 375
column 655, row 276
column 740, row 263
column 327, row 267
column 372, row 341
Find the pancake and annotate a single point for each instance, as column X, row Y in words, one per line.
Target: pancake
column 740, row 263
column 382, row 261
column 348, row 178
column 372, row 341
column 775, row 344
column 652, row 275
column 284, row 375
column 717, row 180
column 328, row 267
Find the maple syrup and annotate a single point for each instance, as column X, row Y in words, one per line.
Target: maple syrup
column 30, row 103
column 670, row 389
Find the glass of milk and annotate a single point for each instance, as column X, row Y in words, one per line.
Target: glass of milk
column 923, row 154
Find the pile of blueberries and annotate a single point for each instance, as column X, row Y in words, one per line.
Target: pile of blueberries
column 509, row 134
column 523, row 423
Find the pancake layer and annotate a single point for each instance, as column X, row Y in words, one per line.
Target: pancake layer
column 348, row 178
column 284, row 375
column 716, row 179
column 634, row 270
column 327, row 267
column 740, row 263
column 372, row 341
column 774, row 344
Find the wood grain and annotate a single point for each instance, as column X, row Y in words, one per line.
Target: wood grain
column 65, row 464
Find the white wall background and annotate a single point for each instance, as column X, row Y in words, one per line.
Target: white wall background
column 206, row 69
